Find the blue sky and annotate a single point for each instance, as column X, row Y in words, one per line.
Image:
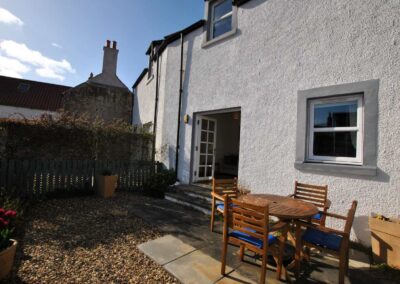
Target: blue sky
column 61, row 41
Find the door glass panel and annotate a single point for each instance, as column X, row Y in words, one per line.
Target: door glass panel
column 211, row 137
column 203, row 148
column 202, row 160
column 209, row 171
column 204, row 136
column 336, row 115
column 202, row 172
column 210, row 160
column 204, row 124
column 211, row 126
column 210, row 149
column 335, row 144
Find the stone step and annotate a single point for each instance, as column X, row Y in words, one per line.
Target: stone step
column 195, row 191
column 191, row 197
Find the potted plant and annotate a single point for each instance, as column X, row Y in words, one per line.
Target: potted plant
column 106, row 183
column 385, row 240
column 8, row 246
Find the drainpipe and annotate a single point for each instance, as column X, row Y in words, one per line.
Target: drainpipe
column 179, row 110
column 156, row 110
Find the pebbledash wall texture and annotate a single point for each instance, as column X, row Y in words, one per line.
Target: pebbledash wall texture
column 280, row 48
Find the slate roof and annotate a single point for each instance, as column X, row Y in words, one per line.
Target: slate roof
column 31, row 94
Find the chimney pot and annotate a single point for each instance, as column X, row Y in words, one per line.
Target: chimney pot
column 108, row 43
column 114, row 45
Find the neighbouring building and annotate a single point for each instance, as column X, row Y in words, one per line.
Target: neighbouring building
column 20, row 98
column 277, row 91
column 102, row 96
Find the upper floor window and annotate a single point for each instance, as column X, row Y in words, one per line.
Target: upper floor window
column 220, row 18
column 335, row 130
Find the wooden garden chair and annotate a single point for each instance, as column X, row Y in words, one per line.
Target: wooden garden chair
column 220, row 189
column 250, row 229
column 315, row 194
column 332, row 241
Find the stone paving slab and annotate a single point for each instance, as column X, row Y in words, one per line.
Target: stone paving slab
column 196, row 267
column 165, row 249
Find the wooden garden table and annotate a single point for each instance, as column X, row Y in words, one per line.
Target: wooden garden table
column 285, row 208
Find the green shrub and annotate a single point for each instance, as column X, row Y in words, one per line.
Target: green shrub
column 158, row 183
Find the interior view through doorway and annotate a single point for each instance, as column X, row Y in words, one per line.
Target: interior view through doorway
column 217, row 140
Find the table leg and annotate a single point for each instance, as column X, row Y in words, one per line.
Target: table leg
column 298, row 250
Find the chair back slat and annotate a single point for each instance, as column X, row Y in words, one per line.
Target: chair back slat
column 249, row 219
column 314, row 194
column 350, row 217
column 224, row 187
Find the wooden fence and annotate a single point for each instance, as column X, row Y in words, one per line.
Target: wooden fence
column 38, row 177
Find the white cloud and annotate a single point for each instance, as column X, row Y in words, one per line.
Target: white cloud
column 6, row 17
column 12, row 67
column 44, row 66
column 56, row 45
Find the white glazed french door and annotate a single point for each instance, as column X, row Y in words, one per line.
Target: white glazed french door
column 206, row 135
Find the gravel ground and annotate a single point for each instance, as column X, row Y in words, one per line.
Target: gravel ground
column 86, row 240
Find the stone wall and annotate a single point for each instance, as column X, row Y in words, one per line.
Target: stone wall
column 105, row 102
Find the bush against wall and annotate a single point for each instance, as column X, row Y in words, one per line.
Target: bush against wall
column 73, row 137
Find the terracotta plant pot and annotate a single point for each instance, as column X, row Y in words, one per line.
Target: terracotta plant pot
column 385, row 241
column 7, row 257
column 106, row 185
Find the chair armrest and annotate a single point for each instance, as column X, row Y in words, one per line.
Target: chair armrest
column 327, row 204
column 322, row 229
column 333, row 215
column 217, row 196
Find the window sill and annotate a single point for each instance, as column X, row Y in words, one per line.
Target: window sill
column 218, row 39
column 336, row 168
column 150, row 79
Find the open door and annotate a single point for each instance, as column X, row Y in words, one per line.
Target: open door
column 206, row 135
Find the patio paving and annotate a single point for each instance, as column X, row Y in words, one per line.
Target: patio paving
column 192, row 254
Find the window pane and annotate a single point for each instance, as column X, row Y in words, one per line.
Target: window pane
column 222, row 26
column 335, row 144
column 222, row 9
column 210, row 148
column 335, row 115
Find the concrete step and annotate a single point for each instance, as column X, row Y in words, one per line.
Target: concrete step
column 191, row 196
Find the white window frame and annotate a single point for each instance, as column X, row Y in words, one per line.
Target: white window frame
column 213, row 22
column 358, row 160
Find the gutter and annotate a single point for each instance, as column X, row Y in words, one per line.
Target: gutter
column 179, row 109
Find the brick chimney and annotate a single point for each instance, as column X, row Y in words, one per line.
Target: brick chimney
column 110, row 58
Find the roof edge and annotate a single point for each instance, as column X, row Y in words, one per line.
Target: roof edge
column 139, row 79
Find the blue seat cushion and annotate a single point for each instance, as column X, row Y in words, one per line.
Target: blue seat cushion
column 250, row 239
column 221, row 206
column 317, row 216
column 322, row 239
